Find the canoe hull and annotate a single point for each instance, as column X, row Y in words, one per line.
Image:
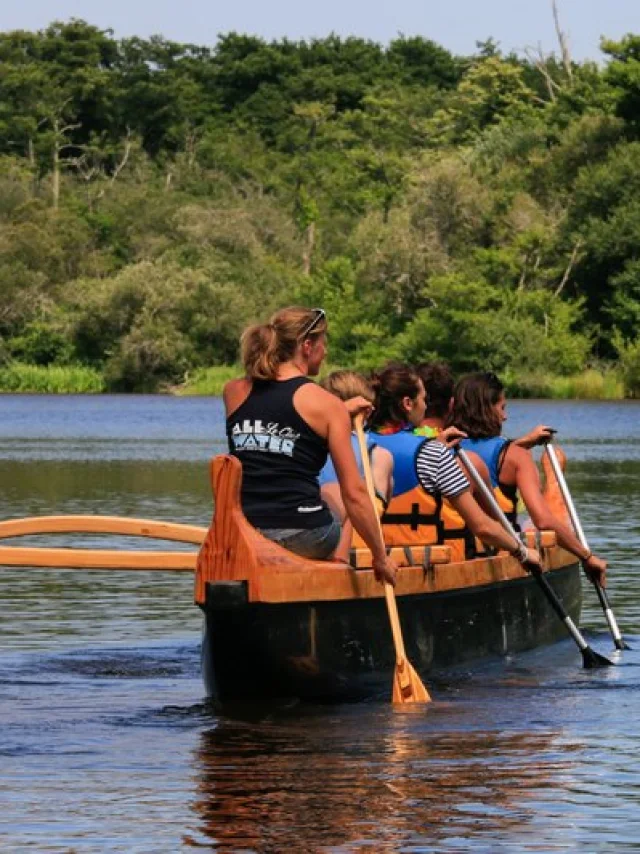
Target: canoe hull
column 342, row 650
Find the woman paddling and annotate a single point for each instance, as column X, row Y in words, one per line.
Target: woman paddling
column 479, row 410
column 427, row 482
column 281, row 426
column 357, row 394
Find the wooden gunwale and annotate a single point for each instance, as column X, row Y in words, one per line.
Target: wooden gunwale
column 334, row 581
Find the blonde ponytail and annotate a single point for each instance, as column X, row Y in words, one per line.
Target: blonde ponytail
column 264, row 347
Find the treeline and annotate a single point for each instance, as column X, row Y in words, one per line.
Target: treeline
column 156, row 197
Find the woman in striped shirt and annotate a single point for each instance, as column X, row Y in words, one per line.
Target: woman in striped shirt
column 425, row 473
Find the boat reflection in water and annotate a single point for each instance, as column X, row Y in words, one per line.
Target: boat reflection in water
column 372, row 778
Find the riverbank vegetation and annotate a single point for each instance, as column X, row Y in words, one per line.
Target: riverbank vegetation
column 156, row 197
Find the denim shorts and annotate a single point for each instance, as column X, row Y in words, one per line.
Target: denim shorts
column 315, row 543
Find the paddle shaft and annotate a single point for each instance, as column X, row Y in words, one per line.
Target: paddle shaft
column 388, row 589
column 577, row 527
column 537, row 573
column 402, row 665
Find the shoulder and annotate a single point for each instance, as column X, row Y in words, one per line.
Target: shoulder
column 314, row 396
column 517, row 454
column 431, row 456
column 437, row 466
column 382, row 455
column 235, row 392
column 433, row 451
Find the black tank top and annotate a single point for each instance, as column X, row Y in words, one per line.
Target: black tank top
column 281, row 458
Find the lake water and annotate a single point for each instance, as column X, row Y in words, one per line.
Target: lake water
column 107, row 744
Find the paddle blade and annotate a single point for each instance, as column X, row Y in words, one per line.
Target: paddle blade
column 407, row 685
column 591, row 658
column 622, row 644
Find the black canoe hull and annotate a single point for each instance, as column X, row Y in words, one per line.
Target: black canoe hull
column 342, row 650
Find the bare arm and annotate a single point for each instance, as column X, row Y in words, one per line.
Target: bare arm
column 527, row 479
column 536, row 436
column 382, row 470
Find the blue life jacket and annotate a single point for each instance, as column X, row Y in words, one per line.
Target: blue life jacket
column 492, row 452
column 328, row 473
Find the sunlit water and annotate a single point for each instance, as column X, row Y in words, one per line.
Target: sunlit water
column 106, row 743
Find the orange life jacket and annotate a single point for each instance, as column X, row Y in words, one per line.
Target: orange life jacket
column 414, row 516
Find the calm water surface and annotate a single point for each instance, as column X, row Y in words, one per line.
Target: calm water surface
column 107, row 744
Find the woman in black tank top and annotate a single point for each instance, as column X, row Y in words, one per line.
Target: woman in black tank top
column 281, row 426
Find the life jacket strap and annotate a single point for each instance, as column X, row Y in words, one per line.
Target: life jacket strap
column 414, row 519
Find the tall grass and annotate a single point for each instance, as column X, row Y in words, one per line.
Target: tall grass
column 209, row 380
column 591, row 384
column 52, row 379
column 212, row 380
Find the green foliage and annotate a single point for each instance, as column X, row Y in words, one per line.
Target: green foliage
column 629, row 353
column 592, row 384
column 42, row 344
column 209, row 381
column 156, row 197
column 53, row 379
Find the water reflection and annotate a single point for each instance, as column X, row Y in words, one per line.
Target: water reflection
column 394, row 785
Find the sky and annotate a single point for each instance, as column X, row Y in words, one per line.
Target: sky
column 455, row 24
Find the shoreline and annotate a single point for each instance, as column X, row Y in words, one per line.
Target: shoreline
column 605, row 384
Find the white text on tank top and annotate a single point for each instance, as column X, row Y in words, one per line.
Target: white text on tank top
column 270, row 438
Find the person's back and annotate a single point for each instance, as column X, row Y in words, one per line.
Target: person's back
column 492, row 452
column 281, row 458
column 424, row 470
column 281, row 425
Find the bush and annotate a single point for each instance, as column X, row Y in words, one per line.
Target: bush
column 629, row 353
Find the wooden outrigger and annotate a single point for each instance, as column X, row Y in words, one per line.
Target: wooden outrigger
column 279, row 625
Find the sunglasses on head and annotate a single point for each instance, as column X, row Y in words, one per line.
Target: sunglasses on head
column 320, row 314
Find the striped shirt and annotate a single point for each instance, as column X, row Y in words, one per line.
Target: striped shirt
column 438, row 471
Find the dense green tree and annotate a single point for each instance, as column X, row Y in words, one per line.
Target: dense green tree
column 156, row 196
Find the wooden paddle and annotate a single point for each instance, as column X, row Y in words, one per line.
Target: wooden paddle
column 590, row 658
column 577, row 527
column 407, row 685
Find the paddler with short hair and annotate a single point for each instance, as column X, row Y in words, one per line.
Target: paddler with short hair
column 358, row 396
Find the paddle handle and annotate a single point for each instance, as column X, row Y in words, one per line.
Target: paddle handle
column 392, row 605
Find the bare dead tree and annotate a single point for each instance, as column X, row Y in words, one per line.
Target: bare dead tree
column 539, row 60
column 125, row 157
column 569, row 268
column 562, row 41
